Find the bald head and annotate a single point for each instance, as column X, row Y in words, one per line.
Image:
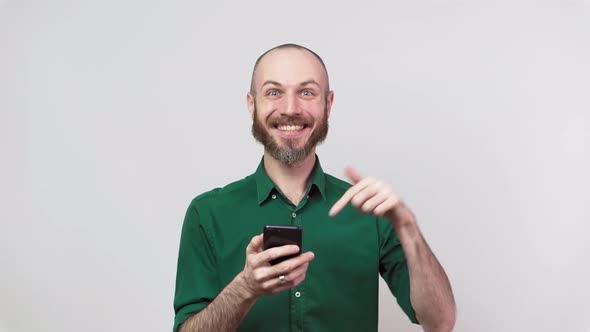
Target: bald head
column 278, row 60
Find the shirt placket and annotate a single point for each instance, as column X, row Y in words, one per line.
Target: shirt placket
column 297, row 294
column 296, row 298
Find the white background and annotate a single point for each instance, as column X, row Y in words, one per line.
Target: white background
column 115, row 114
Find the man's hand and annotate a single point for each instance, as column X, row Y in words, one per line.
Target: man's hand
column 373, row 196
column 430, row 291
column 260, row 278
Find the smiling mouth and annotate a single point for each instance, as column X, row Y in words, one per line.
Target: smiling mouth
column 290, row 128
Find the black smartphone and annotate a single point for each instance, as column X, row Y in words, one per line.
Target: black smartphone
column 280, row 235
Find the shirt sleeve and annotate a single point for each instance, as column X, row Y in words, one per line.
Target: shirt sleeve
column 393, row 267
column 197, row 281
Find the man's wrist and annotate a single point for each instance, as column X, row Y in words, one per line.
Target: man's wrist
column 402, row 219
column 241, row 289
column 405, row 227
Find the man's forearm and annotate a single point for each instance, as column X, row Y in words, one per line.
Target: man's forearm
column 225, row 313
column 430, row 290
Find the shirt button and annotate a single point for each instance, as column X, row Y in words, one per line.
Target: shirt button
column 294, row 215
column 274, row 196
column 297, row 294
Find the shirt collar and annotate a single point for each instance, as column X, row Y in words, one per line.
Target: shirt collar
column 265, row 186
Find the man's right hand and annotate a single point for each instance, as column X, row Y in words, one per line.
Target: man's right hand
column 260, row 278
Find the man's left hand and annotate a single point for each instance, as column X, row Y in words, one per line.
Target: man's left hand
column 373, row 196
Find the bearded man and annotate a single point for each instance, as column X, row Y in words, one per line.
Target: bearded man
column 352, row 233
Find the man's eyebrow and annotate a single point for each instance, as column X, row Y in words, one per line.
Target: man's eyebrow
column 271, row 82
column 308, row 82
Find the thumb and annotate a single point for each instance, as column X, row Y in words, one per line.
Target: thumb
column 255, row 245
column 353, row 175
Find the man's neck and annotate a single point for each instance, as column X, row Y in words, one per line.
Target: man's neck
column 291, row 180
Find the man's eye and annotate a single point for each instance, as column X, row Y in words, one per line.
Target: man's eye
column 273, row 93
column 307, row 93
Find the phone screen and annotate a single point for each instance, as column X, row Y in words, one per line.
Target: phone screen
column 280, row 235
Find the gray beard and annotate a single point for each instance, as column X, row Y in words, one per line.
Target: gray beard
column 289, row 156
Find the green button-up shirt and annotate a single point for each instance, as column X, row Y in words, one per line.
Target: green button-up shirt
column 340, row 291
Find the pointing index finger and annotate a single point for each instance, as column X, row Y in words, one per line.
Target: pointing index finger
column 341, row 203
column 356, row 178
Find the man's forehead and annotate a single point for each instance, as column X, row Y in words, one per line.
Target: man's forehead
column 290, row 66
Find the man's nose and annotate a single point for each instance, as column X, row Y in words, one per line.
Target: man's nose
column 291, row 106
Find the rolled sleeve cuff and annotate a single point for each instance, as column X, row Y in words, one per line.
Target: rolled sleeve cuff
column 186, row 312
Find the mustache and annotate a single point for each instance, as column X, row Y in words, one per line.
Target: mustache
column 290, row 120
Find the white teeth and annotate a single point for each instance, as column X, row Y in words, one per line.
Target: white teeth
column 290, row 128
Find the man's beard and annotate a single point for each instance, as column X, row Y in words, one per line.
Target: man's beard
column 289, row 155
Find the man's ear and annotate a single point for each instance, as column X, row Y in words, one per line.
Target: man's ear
column 251, row 104
column 329, row 102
